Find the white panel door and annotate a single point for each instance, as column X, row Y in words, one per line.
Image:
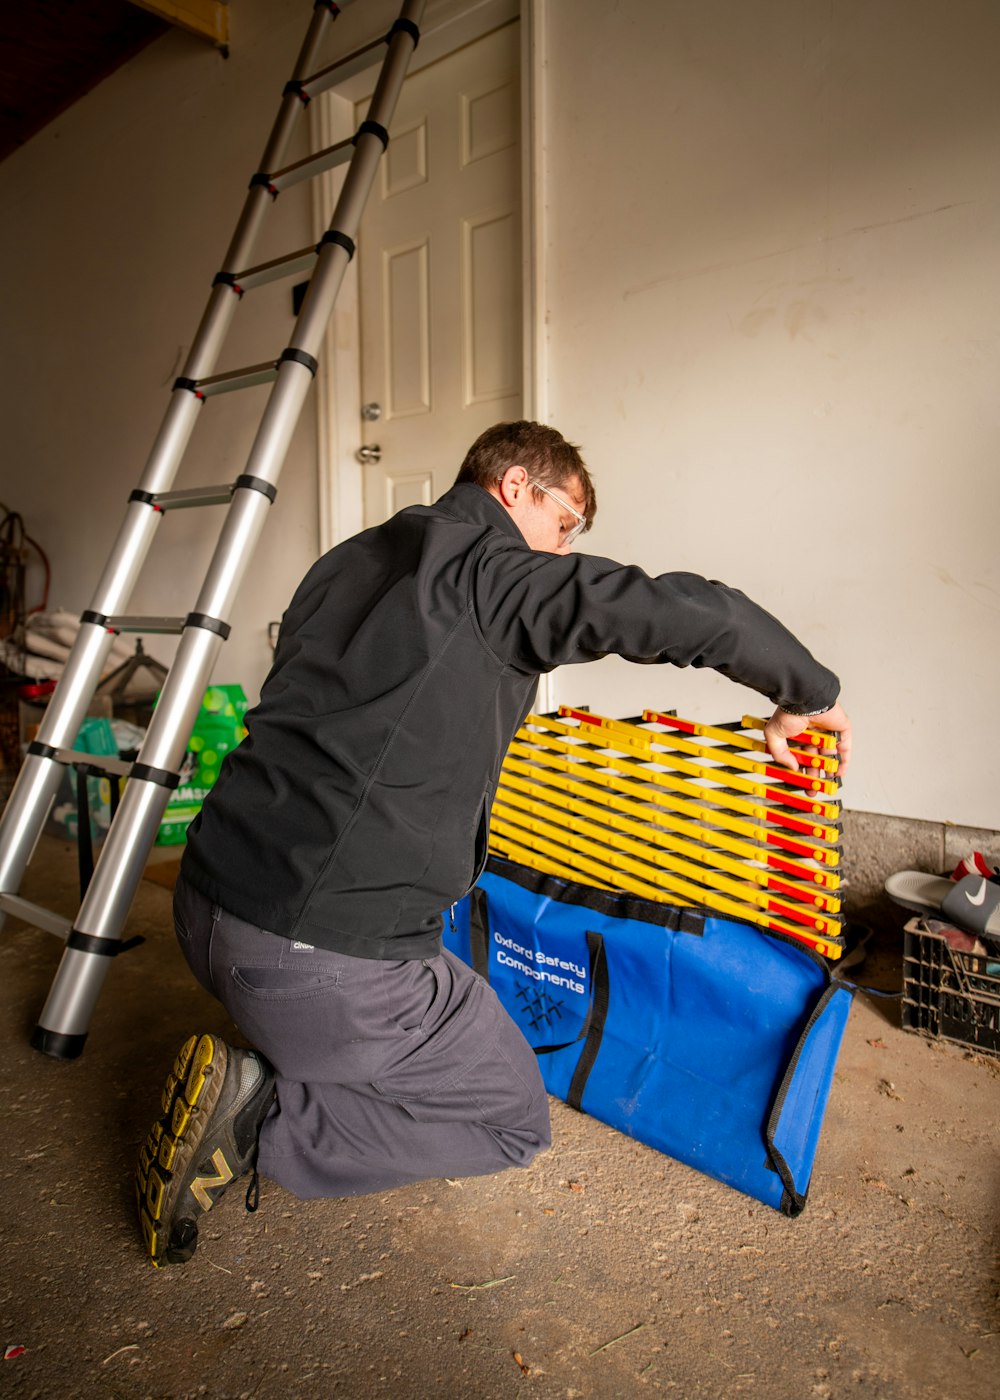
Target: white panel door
column 440, row 273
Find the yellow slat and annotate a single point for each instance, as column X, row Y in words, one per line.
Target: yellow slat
column 819, row 738
column 641, row 773
column 696, row 770
column 513, row 851
column 616, row 812
column 827, row 947
column 758, row 850
column 740, row 741
column 653, row 741
column 636, row 855
column 580, row 862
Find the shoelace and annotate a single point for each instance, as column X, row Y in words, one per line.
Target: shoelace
column 253, row 1190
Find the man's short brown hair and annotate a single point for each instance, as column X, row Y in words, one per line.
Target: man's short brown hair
column 543, row 452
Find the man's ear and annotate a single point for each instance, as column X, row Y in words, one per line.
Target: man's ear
column 513, row 485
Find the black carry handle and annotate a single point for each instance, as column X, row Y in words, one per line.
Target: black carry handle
column 592, row 1030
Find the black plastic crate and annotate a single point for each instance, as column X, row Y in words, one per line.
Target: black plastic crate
column 948, row 995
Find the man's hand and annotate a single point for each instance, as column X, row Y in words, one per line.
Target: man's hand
column 781, row 726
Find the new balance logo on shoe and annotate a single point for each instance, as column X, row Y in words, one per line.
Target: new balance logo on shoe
column 201, row 1185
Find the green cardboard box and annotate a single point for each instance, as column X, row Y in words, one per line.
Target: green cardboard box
column 217, row 731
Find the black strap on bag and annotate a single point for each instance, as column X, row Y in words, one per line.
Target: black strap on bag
column 479, row 937
column 592, row 1030
column 84, row 840
column 84, row 837
column 793, row 1201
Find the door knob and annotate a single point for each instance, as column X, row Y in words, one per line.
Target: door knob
column 366, row 455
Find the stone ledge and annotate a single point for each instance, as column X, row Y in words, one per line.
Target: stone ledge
column 876, row 846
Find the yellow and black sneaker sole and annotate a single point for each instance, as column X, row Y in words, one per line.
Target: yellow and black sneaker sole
column 190, row 1094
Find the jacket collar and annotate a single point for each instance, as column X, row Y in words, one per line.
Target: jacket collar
column 472, row 503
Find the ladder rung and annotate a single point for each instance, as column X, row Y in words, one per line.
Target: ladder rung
column 237, row 379
column 344, row 68
column 197, row 496
column 305, row 169
column 288, row 266
column 113, row 767
column 35, row 914
column 63, row 1025
column 164, row 625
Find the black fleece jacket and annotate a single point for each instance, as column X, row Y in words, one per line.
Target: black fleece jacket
column 356, row 809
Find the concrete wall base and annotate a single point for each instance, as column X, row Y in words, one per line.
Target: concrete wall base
column 875, row 846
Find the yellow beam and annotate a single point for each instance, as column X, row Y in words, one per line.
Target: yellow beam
column 208, row 19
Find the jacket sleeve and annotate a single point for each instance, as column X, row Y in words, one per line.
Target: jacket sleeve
column 537, row 611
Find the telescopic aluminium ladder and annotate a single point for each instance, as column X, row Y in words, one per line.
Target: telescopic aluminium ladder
column 95, row 936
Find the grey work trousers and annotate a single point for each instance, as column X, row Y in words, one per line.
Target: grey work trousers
column 387, row 1072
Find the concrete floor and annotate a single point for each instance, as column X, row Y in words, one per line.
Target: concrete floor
column 606, row 1270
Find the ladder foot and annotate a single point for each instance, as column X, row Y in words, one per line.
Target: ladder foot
column 58, row 1045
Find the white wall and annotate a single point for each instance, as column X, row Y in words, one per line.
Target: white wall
column 770, row 320
column 772, row 307
column 116, row 218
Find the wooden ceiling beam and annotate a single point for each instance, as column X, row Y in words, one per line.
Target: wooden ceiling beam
column 208, row 19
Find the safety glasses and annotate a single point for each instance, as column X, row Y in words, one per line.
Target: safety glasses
column 581, row 520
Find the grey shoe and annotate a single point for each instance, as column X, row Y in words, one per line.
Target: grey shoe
column 214, row 1102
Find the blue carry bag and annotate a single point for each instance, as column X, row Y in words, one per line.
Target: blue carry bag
column 703, row 1037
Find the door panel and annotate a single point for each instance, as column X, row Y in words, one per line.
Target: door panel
column 440, row 273
column 406, row 331
column 491, row 295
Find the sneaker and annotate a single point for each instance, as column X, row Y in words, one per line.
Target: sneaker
column 214, row 1102
column 975, row 864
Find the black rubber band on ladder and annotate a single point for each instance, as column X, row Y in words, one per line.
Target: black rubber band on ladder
column 147, row 774
column 98, row 619
column 405, row 26
column 210, row 624
column 372, row 129
column 262, row 178
column 300, row 357
column 102, row 947
column 256, row 483
column 227, row 279
column 191, row 385
column 342, row 240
